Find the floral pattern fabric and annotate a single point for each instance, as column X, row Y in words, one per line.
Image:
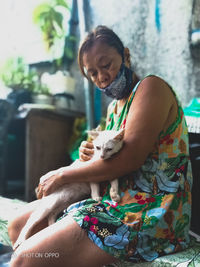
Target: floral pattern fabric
column 8, row 208
column 152, row 218
column 187, row 258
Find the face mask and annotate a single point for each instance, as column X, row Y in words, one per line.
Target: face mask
column 121, row 87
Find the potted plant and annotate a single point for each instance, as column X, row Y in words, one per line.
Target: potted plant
column 41, row 94
column 18, row 76
column 49, row 16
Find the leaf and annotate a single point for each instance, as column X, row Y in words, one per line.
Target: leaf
column 57, row 17
column 181, row 223
column 4, row 232
column 39, row 10
column 119, row 240
column 135, row 207
column 62, row 3
column 57, row 23
column 175, row 203
column 192, row 264
column 107, row 219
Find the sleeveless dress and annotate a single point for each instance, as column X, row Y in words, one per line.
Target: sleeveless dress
column 153, row 217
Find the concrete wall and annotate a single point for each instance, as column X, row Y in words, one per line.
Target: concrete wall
column 157, row 33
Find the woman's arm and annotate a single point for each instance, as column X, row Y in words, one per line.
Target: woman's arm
column 148, row 116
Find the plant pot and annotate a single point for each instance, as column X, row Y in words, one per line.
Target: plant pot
column 42, row 99
column 64, row 101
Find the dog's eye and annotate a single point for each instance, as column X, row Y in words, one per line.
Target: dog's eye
column 98, row 147
column 108, row 149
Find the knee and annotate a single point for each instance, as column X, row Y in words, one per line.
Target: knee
column 11, row 226
column 16, row 261
column 13, row 229
column 19, row 260
column 24, row 257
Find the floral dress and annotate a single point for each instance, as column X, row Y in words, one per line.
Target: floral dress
column 153, row 217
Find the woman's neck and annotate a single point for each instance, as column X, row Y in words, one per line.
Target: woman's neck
column 121, row 102
column 135, row 79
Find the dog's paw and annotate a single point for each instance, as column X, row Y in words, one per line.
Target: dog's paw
column 116, row 198
column 97, row 198
column 114, row 195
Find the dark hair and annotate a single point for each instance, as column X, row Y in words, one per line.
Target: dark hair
column 103, row 34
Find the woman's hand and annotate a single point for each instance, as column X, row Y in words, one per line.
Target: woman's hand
column 86, row 151
column 49, row 183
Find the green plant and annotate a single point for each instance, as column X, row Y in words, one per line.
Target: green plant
column 49, row 16
column 16, row 74
column 41, row 89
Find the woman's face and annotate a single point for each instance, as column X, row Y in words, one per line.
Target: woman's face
column 102, row 63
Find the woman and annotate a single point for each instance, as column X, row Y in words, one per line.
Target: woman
column 153, row 216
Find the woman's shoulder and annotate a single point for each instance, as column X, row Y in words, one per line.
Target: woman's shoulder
column 158, row 93
column 152, row 79
column 155, row 86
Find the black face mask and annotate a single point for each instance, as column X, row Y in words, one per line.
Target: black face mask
column 121, row 87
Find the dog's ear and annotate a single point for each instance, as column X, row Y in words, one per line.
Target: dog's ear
column 36, row 190
column 98, row 128
column 120, row 134
column 92, row 134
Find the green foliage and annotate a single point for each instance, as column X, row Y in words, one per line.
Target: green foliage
column 79, row 134
column 70, row 42
column 41, row 89
column 181, row 223
column 16, row 74
column 49, row 17
column 4, row 238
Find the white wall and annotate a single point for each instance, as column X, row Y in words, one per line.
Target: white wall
column 165, row 52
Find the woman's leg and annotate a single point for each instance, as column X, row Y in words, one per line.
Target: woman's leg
column 62, row 244
column 17, row 223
